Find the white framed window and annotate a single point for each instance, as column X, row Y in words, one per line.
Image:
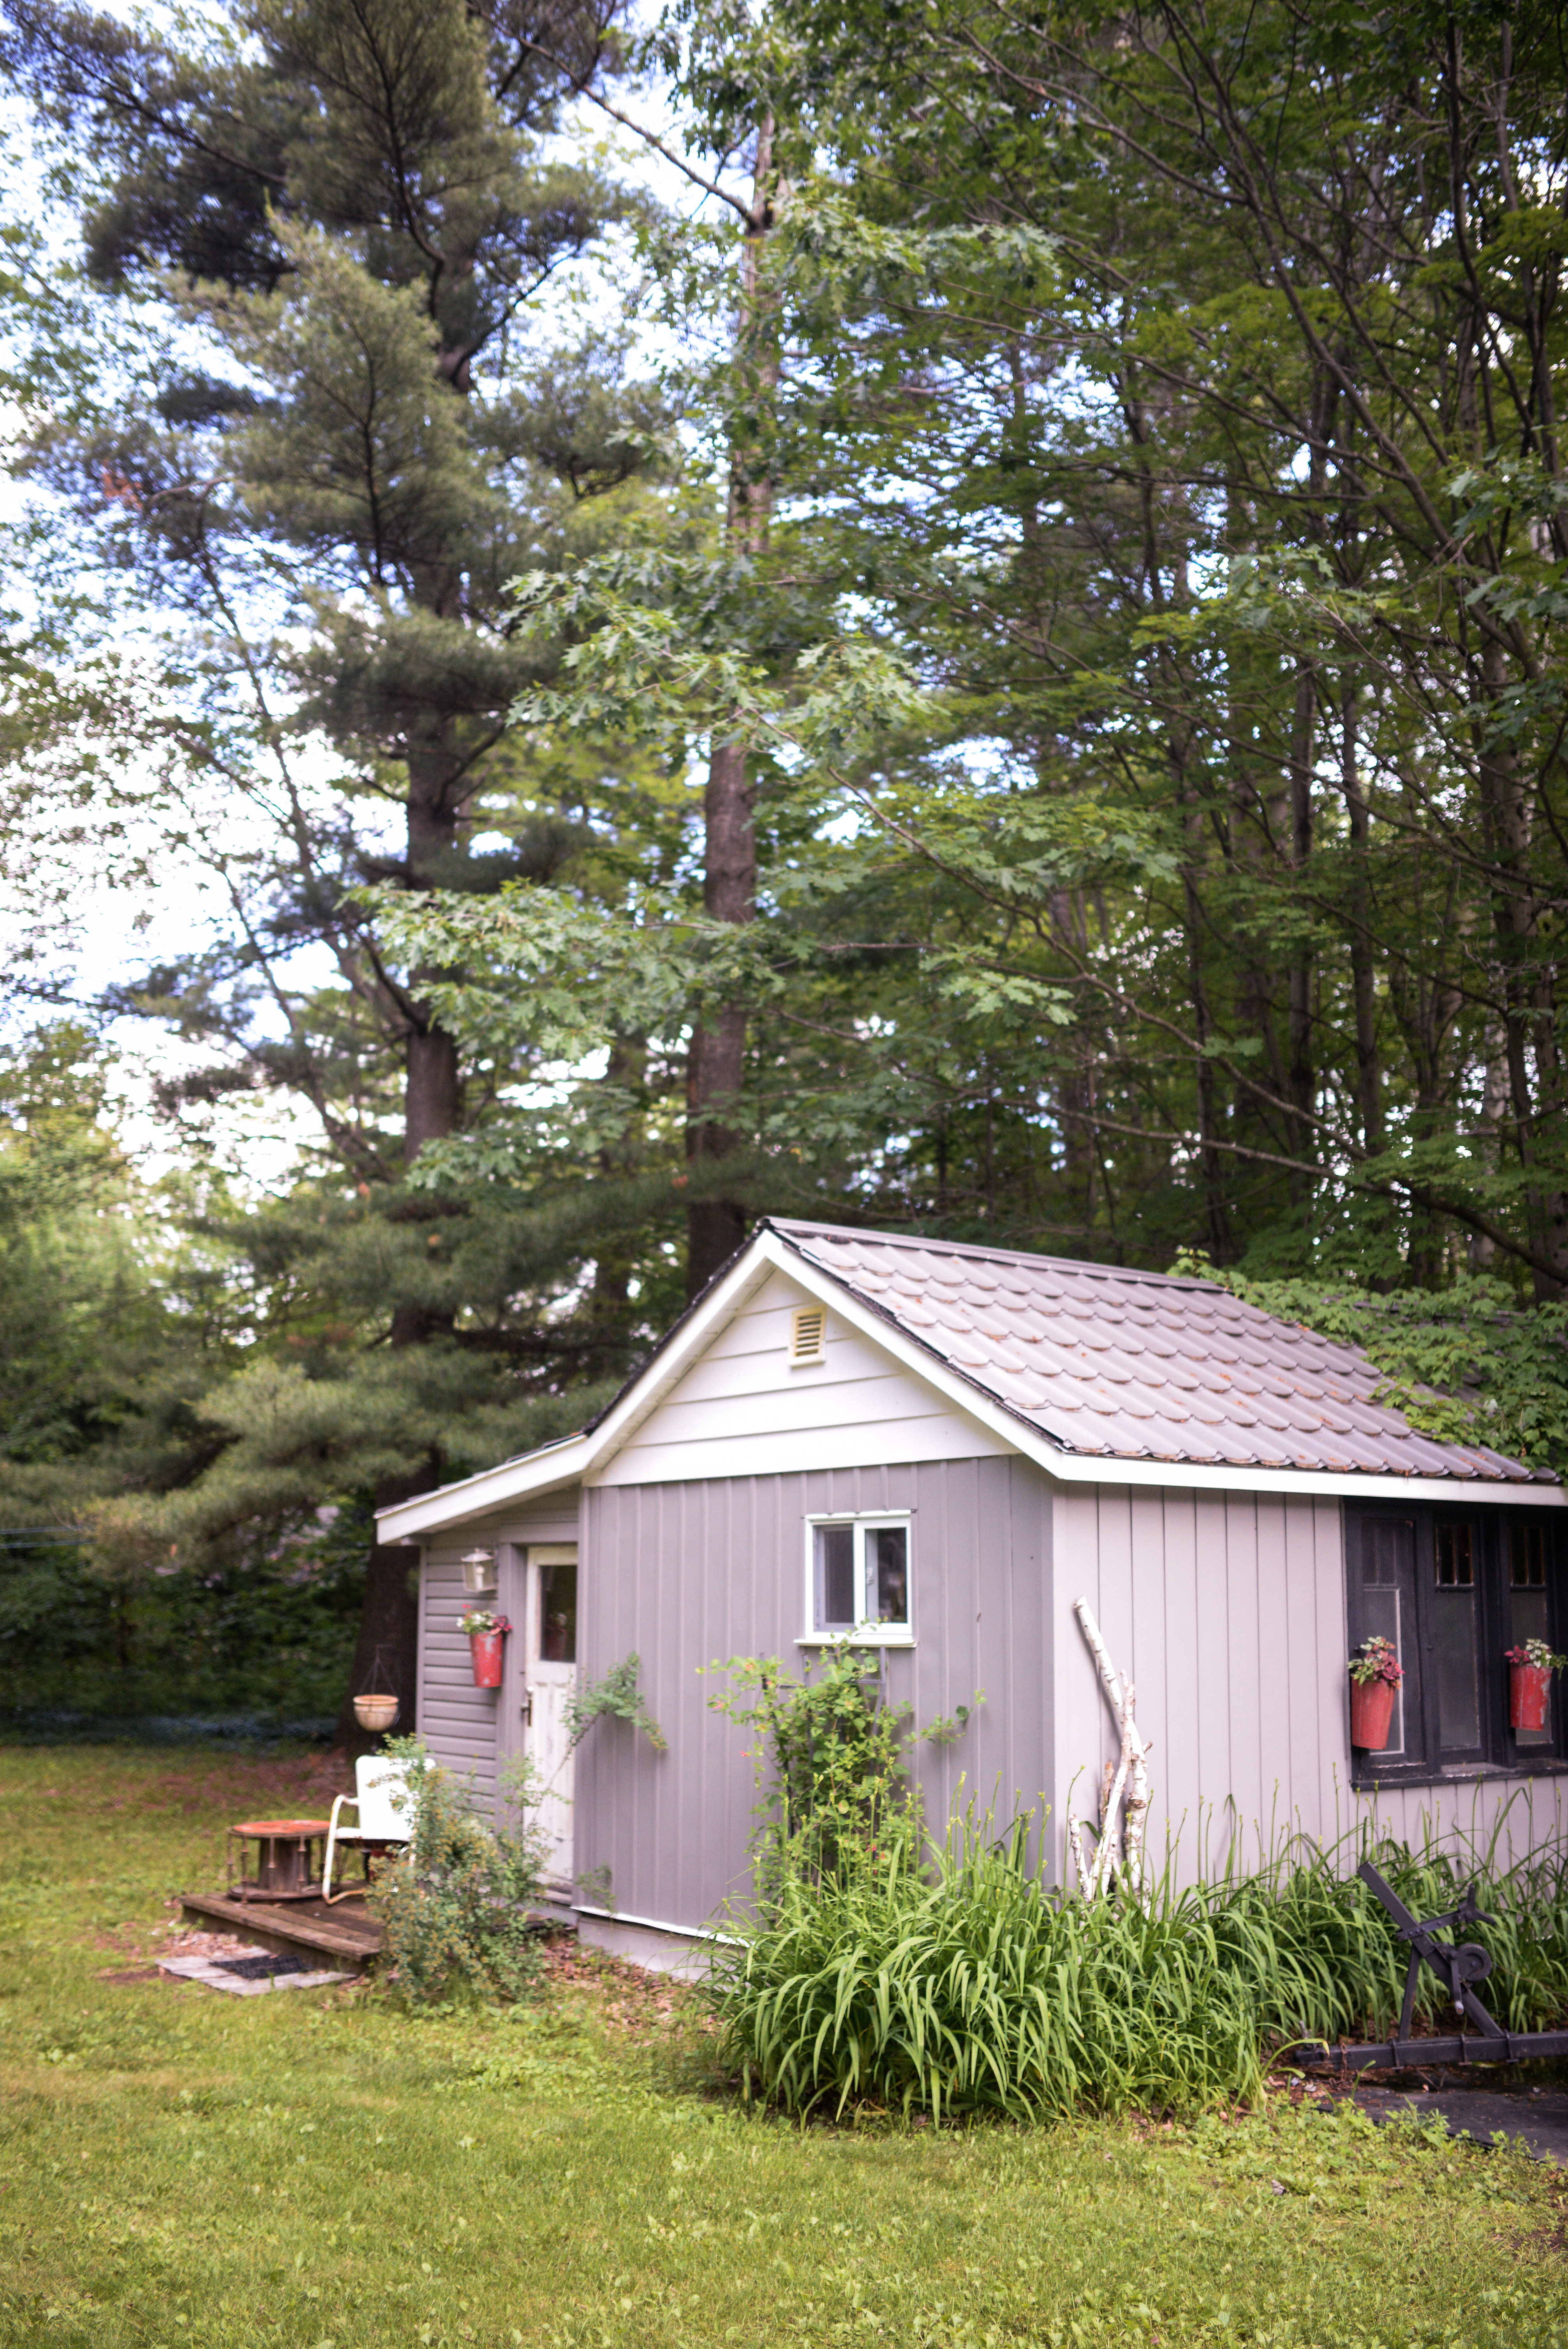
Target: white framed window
column 860, row 1579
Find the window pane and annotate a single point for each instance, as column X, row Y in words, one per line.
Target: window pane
column 1527, row 1559
column 558, row 1614
column 1454, row 1641
column 1389, row 1597
column 887, row 1572
column 1456, row 1559
column 1380, row 1555
column 1380, row 1614
column 835, row 1578
column 1383, row 1542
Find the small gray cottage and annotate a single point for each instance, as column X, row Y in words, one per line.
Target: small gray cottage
column 936, row 1448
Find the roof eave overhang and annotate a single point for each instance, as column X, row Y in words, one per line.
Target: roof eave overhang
column 479, row 1496
column 580, row 1458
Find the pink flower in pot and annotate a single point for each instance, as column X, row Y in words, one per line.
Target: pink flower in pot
column 1375, row 1672
column 1530, row 1669
column 486, row 1634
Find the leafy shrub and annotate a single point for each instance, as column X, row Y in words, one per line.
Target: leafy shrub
column 617, row 1697
column 1467, row 1364
column 453, row 1903
column 970, row 1986
column 831, row 1759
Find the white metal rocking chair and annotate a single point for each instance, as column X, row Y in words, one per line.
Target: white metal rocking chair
column 384, row 1800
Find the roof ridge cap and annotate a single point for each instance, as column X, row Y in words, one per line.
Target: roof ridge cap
column 792, row 1228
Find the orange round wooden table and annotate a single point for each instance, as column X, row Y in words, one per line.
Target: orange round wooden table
column 288, row 1866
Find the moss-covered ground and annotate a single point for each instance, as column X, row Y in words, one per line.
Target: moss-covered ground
column 317, row 2170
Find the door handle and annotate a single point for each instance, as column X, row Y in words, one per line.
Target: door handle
column 526, row 1707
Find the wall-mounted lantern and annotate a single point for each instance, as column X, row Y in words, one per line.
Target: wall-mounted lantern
column 478, row 1571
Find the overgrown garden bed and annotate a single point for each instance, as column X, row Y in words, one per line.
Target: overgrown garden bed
column 180, row 2166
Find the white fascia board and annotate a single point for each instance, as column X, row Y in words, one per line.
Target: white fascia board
column 1091, row 1468
column 478, row 1496
column 1284, row 1483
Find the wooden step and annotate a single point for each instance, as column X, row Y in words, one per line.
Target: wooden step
column 343, row 1930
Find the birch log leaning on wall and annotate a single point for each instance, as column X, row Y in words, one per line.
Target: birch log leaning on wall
column 1124, row 1792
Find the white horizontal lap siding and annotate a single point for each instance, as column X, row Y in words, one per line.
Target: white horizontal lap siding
column 745, row 1409
column 457, row 1720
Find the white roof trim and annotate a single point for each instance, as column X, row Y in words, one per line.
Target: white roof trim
column 579, row 1457
column 479, row 1496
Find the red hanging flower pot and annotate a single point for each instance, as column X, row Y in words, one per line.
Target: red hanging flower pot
column 1529, row 1693
column 1371, row 1714
column 1530, row 1669
column 1375, row 1672
column 487, row 1643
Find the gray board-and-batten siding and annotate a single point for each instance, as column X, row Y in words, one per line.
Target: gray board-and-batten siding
column 1228, row 1612
column 688, row 1575
column 1226, row 1609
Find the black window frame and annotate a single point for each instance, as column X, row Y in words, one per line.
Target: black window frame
column 1373, row 1529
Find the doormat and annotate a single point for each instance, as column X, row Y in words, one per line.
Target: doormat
column 249, row 1972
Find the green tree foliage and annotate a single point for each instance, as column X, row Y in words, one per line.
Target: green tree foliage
column 112, row 1326
column 115, row 1325
column 1211, row 895
column 304, row 417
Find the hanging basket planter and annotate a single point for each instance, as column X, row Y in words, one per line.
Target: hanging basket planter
column 1371, row 1714
column 1375, row 1672
column 1530, row 1669
column 1529, row 1694
column 376, row 1704
column 487, row 1643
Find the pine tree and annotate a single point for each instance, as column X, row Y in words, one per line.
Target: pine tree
column 348, row 438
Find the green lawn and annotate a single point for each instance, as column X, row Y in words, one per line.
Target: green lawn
column 313, row 2169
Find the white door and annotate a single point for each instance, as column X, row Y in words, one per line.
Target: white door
column 550, row 1670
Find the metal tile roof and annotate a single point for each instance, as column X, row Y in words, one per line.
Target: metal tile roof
column 1139, row 1365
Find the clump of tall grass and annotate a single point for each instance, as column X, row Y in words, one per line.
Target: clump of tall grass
column 964, row 1984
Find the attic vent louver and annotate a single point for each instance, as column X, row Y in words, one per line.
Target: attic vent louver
column 807, row 1334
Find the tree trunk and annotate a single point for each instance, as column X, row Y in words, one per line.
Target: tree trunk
column 432, row 1108
column 716, row 1064
column 1301, row 1078
column 1508, row 827
column 389, row 1620
column 1369, row 1072
column 432, row 1087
